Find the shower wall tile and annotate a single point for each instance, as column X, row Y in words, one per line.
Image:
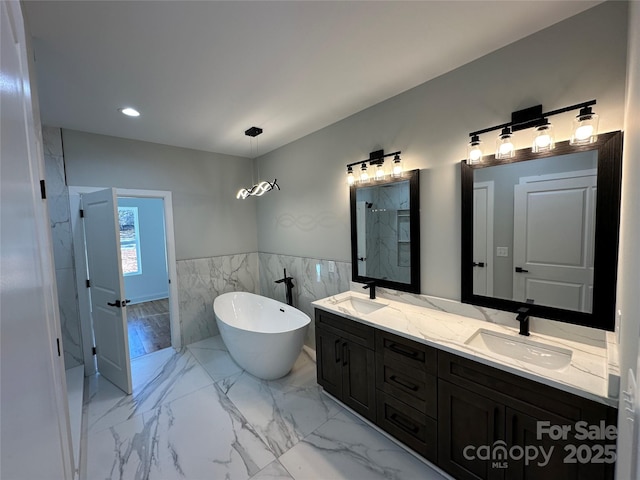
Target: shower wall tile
column 311, row 278
column 60, row 221
column 201, row 280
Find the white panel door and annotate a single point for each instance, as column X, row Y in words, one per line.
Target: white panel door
column 108, row 303
column 553, row 242
column 483, row 238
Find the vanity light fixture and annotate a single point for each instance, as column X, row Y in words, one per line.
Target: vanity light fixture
column 350, row 178
column 585, row 130
column 364, row 174
column 376, row 161
column 504, row 144
column 543, row 140
column 474, row 151
column 129, row 112
column 585, row 127
column 260, row 188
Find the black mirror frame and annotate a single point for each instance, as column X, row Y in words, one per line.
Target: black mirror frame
column 609, row 182
column 414, row 233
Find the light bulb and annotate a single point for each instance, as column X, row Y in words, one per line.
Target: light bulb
column 350, row 178
column 504, row 146
column 364, row 175
column 397, row 166
column 583, row 132
column 543, row 140
column 585, row 127
column 474, row 152
column 379, row 172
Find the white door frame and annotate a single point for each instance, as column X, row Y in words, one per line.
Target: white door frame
column 81, row 266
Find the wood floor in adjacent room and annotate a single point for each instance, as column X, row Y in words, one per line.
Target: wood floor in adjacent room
column 149, row 327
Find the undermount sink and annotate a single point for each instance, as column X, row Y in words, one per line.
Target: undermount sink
column 523, row 349
column 360, row 305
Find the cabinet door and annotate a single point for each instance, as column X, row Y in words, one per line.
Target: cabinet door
column 358, row 384
column 329, row 361
column 522, row 430
column 467, row 421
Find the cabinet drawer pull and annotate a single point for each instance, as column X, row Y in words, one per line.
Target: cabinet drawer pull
column 337, row 350
column 402, row 350
column 404, row 383
column 404, row 424
column 345, row 354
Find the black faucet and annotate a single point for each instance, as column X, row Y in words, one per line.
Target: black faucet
column 371, row 285
column 288, row 282
column 523, row 318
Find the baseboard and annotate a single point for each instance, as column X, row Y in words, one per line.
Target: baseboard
column 149, row 298
column 310, row 351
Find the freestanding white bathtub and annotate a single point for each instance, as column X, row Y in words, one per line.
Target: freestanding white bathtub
column 263, row 336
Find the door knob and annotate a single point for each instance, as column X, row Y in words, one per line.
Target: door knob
column 117, row 303
column 521, row 270
column 478, row 264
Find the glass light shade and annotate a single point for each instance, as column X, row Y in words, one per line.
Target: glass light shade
column 350, row 178
column 585, row 127
column 474, row 151
column 397, row 166
column 380, row 171
column 504, row 145
column 543, row 139
column 364, row 174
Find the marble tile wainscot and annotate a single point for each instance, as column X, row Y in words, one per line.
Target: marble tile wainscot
column 60, row 218
column 312, row 277
column 201, row 280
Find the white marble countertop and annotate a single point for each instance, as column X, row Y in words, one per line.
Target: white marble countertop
column 586, row 375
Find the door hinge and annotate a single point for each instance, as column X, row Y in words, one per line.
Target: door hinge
column 43, row 190
column 93, row 350
column 88, row 283
column 58, row 343
column 81, row 213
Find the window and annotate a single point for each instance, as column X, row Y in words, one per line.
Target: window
column 129, row 240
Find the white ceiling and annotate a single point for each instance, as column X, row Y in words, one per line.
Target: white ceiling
column 201, row 73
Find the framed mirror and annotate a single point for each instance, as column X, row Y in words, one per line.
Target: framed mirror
column 385, row 232
column 542, row 230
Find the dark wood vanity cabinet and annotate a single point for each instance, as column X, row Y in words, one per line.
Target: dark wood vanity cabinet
column 482, row 406
column 345, row 362
column 445, row 407
column 406, row 392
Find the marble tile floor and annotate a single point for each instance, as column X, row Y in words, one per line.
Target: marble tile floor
column 196, row 415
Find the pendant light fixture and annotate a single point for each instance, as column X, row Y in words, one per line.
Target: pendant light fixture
column 258, row 189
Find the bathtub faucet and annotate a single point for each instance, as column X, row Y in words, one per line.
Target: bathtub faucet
column 288, row 282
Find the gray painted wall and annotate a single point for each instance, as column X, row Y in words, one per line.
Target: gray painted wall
column 557, row 67
column 208, row 219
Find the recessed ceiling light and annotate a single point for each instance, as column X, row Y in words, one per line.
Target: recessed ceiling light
column 129, row 112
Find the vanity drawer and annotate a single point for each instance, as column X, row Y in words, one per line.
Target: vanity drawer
column 411, row 427
column 413, row 386
column 407, row 352
column 346, row 328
